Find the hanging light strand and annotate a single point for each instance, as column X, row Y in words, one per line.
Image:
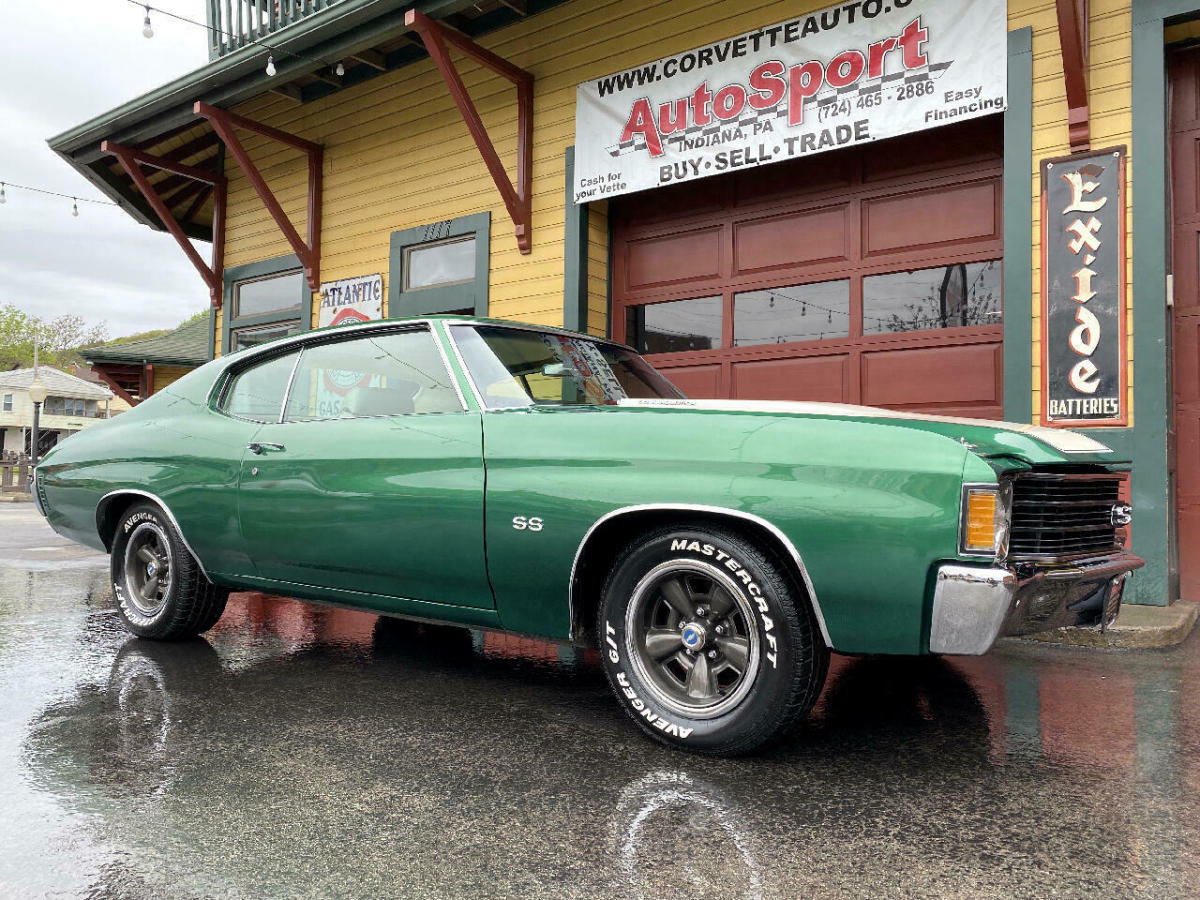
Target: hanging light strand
column 148, row 31
column 75, row 200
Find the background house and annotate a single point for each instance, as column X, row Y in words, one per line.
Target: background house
column 136, row 369
column 72, row 404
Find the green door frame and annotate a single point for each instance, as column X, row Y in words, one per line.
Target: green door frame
column 1152, row 501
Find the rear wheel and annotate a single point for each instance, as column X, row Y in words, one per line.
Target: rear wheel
column 159, row 589
column 708, row 642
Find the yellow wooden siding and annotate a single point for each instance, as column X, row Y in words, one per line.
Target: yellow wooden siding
column 166, row 375
column 1110, row 73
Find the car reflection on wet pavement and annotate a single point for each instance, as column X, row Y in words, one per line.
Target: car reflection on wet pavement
column 308, row 751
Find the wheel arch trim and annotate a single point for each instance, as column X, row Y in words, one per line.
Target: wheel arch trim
column 725, row 511
column 161, row 504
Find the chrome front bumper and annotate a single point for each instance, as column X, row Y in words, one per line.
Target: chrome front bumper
column 973, row 606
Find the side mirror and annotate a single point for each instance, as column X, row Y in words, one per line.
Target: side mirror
column 557, row 370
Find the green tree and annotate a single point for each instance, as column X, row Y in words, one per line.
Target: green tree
column 58, row 339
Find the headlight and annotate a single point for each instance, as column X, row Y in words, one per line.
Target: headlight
column 983, row 528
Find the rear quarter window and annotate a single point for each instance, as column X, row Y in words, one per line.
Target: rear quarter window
column 256, row 393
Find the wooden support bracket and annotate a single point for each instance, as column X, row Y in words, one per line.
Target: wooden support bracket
column 1073, row 41
column 224, row 124
column 114, row 385
column 132, row 160
column 435, row 37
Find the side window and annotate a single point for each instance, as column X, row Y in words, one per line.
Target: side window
column 257, row 393
column 396, row 374
column 441, row 267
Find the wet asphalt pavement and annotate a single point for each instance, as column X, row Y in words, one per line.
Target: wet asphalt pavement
column 302, row 751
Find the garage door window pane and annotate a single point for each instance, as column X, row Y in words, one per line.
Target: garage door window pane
column 279, row 293
column 675, row 326
column 942, row 297
column 444, row 262
column 804, row 312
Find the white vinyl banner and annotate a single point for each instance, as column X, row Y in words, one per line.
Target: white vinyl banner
column 853, row 73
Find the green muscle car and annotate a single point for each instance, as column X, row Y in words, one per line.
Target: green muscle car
column 537, row 481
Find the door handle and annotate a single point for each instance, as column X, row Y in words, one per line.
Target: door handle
column 260, row 447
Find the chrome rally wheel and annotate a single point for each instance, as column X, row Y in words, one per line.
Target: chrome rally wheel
column 708, row 640
column 158, row 586
column 690, row 634
column 148, row 568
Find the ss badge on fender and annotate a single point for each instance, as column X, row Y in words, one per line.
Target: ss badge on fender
column 521, row 523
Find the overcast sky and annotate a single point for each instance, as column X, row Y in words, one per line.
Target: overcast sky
column 64, row 62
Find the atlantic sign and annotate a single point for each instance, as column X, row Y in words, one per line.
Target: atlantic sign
column 1083, row 293
column 853, row 73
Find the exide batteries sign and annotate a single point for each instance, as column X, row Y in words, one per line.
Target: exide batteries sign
column 852, row 73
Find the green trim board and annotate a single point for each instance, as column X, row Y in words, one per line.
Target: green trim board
column 575, row 254
column 1152, row 502
column 428, row 301
column 1018, row 226
column 256, row 270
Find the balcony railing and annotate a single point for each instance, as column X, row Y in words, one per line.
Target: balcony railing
column 233, row 24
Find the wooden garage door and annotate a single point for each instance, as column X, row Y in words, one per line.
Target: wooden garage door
column 861, row 276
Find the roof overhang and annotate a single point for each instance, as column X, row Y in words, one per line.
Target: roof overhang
column 163, row 121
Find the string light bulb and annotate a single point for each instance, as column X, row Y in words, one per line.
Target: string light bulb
column 339, row 70
column 147, row 28
column 270, row 65
column 3, row 199
column 75, row 207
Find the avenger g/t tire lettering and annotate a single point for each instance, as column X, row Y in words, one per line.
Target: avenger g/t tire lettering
column 158, row 587
column 708, row 642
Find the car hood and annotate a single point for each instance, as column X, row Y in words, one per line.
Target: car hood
column 994, row 440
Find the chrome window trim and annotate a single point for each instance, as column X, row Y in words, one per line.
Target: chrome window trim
column 462, row 364
column 439, row 338
column 696, row 507
column 166, row 509
column 287, row 390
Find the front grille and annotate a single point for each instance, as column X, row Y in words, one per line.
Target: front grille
column 1059, row 515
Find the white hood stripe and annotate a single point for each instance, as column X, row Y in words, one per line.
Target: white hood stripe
column 1059, row 439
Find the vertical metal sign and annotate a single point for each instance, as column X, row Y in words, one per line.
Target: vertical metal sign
column 1083, row 289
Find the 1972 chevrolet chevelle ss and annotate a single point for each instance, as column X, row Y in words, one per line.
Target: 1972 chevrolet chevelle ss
column 538, row 481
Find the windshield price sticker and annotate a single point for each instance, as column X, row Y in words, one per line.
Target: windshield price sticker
column 1083, row 290
column 853, row 73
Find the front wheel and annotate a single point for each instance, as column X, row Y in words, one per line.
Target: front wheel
column 708, row 642
column 160, row 590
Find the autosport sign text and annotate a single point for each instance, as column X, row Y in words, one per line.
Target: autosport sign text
column 854, row 72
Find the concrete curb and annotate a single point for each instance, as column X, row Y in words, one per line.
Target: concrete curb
column 16, row 497
column 1137, row 628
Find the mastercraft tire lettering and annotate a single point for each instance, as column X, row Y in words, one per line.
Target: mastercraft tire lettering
column 158, row 587
column 708, row 642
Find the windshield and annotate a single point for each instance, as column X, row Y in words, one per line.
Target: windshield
column 512, row 367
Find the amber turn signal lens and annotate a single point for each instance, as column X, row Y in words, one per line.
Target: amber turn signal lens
column 980, row 532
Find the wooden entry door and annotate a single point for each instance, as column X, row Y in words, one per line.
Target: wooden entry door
column 1185, row 331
